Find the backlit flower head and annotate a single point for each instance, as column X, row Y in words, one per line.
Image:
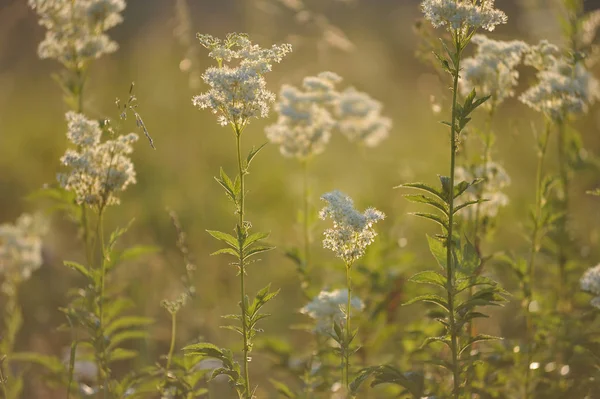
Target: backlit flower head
column 21, row 248
column 98, row 171
column 75, row 29
column 492, row 70
column 352, row 231
column 238, row 91
column 359, row 118
column 590, row 282
column 463, row 14
column 495, row 180
column 329, row 307
column 563, row 88
column 304, row 124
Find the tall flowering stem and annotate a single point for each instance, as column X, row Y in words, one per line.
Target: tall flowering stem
column 237, row 94
column 458, row 257
column 538, row 230
column 351, row 234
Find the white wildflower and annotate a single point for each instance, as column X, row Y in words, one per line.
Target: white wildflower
column 495, row 179
column 75, row 29
column 21, row 249
column 562, row 91
column 352, row 231
column 492, row 71
column 563, row 88
column 99, row 171
column 463, row 14
column 329, row 307
column 238, row 92
column 590, row 282
column 359, row 118
column 304, row 124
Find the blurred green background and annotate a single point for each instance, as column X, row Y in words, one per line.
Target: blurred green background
column 370, row 43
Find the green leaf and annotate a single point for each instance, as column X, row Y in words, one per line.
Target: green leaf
column 438, row 250
column 463, row 186
column 469, row 203
column 50, row 363
column 227, row 251
column 478, row 338
column 443, row 339
column 253, row 153
column 121, row 354
column 137, row 251
column 227, row 184
column 423, row 199
column 127, row 335
column 79, row 268
column 282, row 389
column 227, row 238
column 257, row 250
column 412, row 382
column 424, row 187
column 251, row 239
column 438, row 300
column 430, row 277
column 126, row 322
column 434, row 218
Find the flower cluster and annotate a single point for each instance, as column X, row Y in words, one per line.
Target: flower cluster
column 352, row 231
column 359, row 118
column 463, row 14
column 590, row 282
column 98, row 170
column 21, row 248
column 75, row 29
column 495, row 179
column 307, row 117
column 238, row 92
column 492, row 71
column 304, row 124
column 563, row 88
column 330, row 307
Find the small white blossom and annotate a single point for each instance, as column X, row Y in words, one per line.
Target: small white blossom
column 238, row 92
column 359, row 118
column 99, row 171
column 304, row 124
column 463, row 14
column 563, row 88
column 492, row 71
column 21, row 249
column 495, row 179
column 75, row 29
column 329, row 307
column 352, row 231
column 590, row 282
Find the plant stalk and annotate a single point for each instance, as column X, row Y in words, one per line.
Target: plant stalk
column 535, row 237
column 348, row 333
column 242, row 267
column 449, row 241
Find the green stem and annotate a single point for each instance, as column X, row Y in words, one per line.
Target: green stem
column 102, row 355
column 563, row 234
column 172, row 346
column 346, row 350
column 535, row 237
column 306, row 226
column 3, row 380
column 449, row 240
column 242, row 267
